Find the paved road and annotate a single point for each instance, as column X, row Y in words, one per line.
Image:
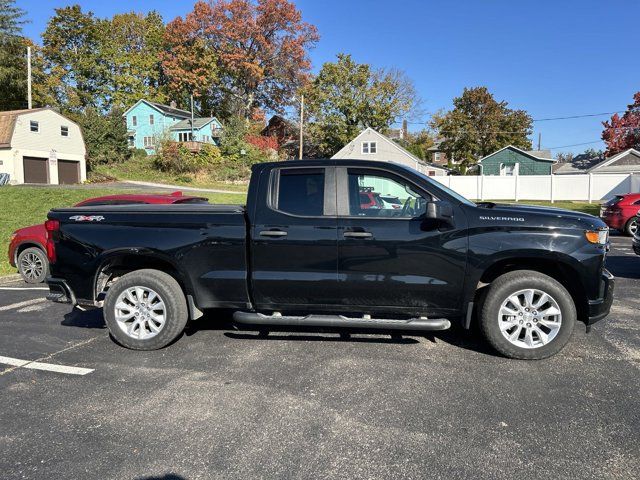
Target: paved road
column 225, row 404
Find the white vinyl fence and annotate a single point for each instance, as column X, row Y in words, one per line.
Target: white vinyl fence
column 591, row 187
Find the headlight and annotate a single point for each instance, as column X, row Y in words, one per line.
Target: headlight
column 599, row 237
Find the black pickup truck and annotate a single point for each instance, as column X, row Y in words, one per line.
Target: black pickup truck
column 310, row 250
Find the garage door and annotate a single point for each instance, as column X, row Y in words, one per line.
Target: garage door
column 68, row 171
column 36, row 170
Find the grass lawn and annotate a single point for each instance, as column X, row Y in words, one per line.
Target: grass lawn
column 142, row 169
column 23, row 206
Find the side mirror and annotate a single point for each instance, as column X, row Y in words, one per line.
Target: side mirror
column 440, row 210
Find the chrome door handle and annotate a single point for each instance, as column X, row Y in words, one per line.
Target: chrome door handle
column 358, row 234
column 273, row 233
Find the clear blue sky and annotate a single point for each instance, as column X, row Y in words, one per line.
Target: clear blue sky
column 551, row 58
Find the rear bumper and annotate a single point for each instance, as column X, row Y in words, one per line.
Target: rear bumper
column 60, row 292
column 615, row 222
column 599, row 308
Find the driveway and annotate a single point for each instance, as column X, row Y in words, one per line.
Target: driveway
column 220, row 403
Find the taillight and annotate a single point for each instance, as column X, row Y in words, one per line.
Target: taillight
column 52, row 227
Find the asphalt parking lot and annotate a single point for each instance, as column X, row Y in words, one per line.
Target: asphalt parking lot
column 225, row 404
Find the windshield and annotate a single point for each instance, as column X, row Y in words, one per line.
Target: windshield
column 447, row 190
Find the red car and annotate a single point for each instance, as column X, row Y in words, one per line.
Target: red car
column 27, row 245
column 620, row 213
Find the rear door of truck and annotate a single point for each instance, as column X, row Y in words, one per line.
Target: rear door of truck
column 294, row 238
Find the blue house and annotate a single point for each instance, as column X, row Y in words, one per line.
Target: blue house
column 148, row 122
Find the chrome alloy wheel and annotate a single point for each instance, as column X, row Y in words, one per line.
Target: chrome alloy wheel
column 31, row 266
column 530, row 318
column 633, row 227
column 140, row 312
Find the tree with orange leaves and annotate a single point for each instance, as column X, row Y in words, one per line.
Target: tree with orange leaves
column 622, row 133
column 238, row 55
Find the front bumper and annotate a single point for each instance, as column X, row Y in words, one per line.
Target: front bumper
column 59, row 291
column 599, row 308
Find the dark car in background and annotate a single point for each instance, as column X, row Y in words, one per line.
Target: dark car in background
column 27, row 249
column 620, row 213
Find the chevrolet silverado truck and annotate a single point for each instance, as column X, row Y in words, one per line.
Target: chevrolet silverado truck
column 304, row 252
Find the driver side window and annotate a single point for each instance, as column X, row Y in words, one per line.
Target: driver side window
column 378, row 195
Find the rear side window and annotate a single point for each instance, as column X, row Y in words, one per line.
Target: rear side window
column 300, row 191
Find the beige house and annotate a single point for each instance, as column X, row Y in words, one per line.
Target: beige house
column 371, row 145
column 41, row 146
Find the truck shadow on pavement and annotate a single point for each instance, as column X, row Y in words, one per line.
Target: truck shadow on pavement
column 222, row 321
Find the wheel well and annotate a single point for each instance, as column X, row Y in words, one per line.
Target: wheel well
column 561, row 272
column 118, row 266
column 23, row 246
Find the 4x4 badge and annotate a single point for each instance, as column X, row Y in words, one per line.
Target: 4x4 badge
column 87, row 218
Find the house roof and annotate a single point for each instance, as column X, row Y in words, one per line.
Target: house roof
column 165, row 109
column 530, row 154
column 395, row 145
column 541, row 153
column 8, row 122
column 590, row 165
column 198, row 123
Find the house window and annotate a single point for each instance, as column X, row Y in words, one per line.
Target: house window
column 134, row 121
column 369, row 147
column 131, row 141
column 185, row 136
column 151, row 119
column 436, row 156
column 34, row 126
column 148, row 142
column 507, row 170
column 431, row 173
column 64, row 130
column 205, row 138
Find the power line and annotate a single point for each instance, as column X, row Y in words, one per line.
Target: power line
column 574, row 145
column 576, row 116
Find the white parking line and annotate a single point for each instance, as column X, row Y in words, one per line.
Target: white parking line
column 22, row 304
column 49, row 367
column 24, row 288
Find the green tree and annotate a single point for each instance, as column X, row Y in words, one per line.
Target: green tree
column 479, row 125
column 131, row 44
column 71, row 50
column 418, row 143
column 13, row 66
column 104, row 135
column 347, row 97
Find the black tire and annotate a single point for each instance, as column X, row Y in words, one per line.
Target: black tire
column 33, row 265
column 629, row 227
column 169, row 291
column 510, row 283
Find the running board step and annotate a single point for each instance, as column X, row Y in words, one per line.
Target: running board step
column 249, row 318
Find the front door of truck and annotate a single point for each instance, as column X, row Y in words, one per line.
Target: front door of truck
column 294, row 239
column 391, row 257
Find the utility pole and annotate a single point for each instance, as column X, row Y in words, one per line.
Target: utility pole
column 301, row 122
column 539, row 139
column 191, row 118
column 29, row 77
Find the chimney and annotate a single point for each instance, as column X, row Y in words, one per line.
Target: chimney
column 404, row 132
column 173, row 104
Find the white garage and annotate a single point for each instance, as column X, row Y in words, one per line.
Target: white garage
column 41, row 146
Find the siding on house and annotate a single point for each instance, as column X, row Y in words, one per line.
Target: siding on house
column 511, row 156
column 145, row 134
column 386, row 150
column 25, row 143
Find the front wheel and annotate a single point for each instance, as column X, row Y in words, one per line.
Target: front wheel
column 33, row 265
column 145, row 310
column 527, row 315
column 631, row 228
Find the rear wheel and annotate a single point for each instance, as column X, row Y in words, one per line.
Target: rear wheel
column 527, row 315
column 33, row 265
column 145, row 310
column 631, row 228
